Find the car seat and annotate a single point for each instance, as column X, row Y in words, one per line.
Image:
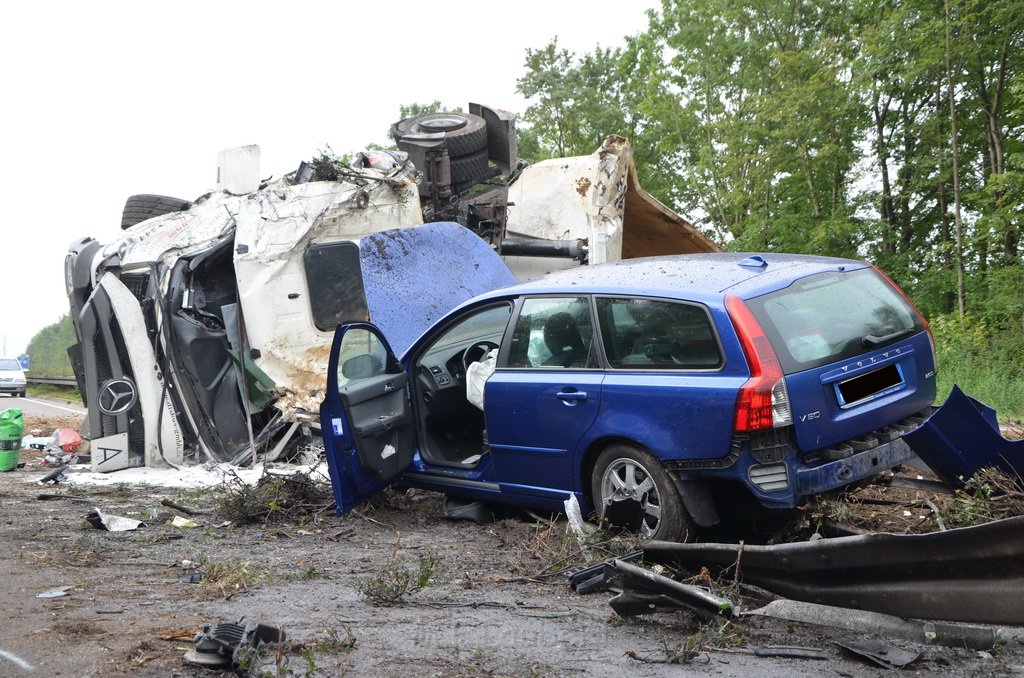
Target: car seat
column 563, row 340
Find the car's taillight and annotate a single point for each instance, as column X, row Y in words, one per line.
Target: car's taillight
column 763, row 401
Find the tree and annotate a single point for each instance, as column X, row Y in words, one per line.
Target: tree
column 48, row 349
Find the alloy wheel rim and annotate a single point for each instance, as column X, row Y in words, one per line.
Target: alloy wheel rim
column 626, row 479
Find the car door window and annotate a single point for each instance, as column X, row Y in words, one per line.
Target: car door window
column 657, row 334
column 361, row 355
column 335, row 279
column 553, row 332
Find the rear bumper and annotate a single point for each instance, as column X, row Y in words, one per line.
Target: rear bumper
column 780, row 476
column 786, row 483
column 836, row 474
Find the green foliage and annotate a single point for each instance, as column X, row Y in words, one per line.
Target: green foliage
column 274, row 497
column 826, row 128
column 398, row 578
column 983, row 359
column 413, row 109
column 988, row 496
column 48, row 349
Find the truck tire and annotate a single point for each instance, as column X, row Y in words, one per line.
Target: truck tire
column 138, row 208
column 466, row 133
column 466, row 168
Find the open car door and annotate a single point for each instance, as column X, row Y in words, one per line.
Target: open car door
column 365, row 417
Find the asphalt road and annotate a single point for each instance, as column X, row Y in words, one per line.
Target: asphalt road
column 42, row 407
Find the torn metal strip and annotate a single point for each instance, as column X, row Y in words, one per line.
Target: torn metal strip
column 971, row 574
column 927, row 633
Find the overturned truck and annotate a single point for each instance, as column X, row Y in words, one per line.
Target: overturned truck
column 204, row 331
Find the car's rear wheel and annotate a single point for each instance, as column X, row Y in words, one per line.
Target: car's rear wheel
column 631, row 489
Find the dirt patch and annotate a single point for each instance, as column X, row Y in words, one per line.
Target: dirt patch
column 391, row 589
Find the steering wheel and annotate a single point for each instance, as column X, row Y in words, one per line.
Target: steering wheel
column 476, row 352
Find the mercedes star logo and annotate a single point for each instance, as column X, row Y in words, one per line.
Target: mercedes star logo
column 117, row 396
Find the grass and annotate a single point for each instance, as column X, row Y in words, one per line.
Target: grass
column 228, row 578
column 398, row 579
column 52, row 391
column 983, row 361
column 989, row 383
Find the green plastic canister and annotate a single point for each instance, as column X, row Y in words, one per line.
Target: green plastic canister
column 12, row 427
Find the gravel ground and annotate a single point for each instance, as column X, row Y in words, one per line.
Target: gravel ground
column 472, row 599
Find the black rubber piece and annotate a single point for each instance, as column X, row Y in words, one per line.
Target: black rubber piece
column 138, row 208
column 468, row 167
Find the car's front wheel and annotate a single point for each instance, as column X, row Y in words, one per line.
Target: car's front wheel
column 631, row 489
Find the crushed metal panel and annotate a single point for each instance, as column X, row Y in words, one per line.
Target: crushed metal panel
column 597, row 198
column 414, row 276
column 275, row 227
column 971, row 574
column 557, row 200
column 172, row 235
column 163, row 438
column 652, row 229
column 961, row 438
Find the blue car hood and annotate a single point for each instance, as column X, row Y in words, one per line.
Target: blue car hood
column 414, row 276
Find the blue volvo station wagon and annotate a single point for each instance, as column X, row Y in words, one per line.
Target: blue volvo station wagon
column 642, row 387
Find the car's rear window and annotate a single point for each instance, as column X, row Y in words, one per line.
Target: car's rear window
column 834, row 316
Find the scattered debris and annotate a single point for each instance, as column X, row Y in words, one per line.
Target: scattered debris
column 645, row 592
column 102, row 521
column 926, row 633
column 66, row 439
column 274, row 495
column 970, row 574
column 576, row 525
column 55, row 476
column 180, row 507
column 224, row 645
column 16, row 660
column 590, row 578
column 988, row 496
column 179, row 522
column 54, row 457
column 885, row 655
column 68, row 497
column 59, row 592
column 790, row 651
column 477, row 512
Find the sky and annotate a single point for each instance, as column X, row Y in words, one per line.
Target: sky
column 108, row 99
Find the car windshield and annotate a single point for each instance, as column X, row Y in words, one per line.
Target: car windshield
column 832, row 316
column 9, row 365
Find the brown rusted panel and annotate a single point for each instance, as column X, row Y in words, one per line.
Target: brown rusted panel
column 650, row 228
